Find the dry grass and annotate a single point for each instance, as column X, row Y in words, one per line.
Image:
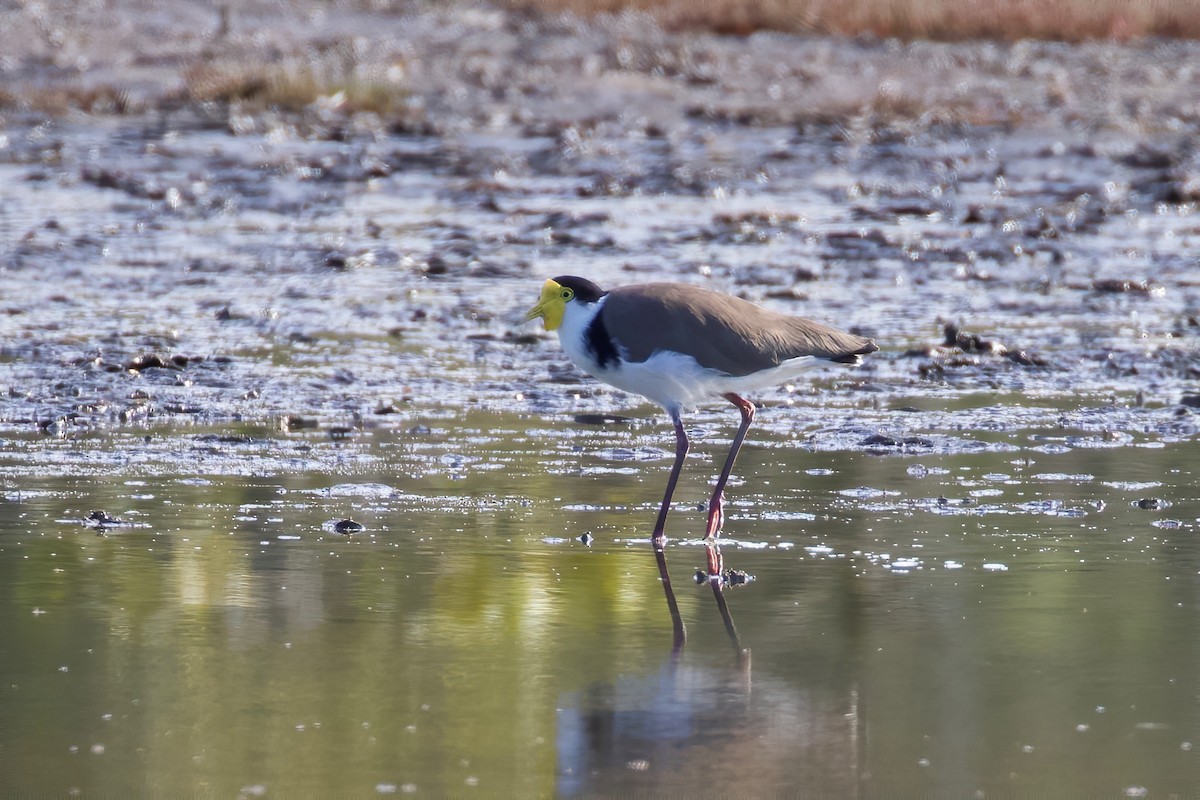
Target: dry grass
column 944, row 20
column 55, row 100
column 290, row 89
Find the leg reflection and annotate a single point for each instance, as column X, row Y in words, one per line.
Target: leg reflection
column 679, row 633
column 717, row 582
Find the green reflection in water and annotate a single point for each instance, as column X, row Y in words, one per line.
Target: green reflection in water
column 979, row 623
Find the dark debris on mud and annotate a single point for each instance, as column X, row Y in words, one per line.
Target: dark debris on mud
column 102, row 519
column 361, row 253
column 348, row 527
column 730, row 577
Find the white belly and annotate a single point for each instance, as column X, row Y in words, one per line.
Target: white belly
column 675, row 380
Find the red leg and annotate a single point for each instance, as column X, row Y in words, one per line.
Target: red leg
column 715, row 564
column 681, row 451
column 716, row 514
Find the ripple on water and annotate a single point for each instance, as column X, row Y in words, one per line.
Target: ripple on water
column 21, row 495
column 609, row 471
column 867, row 493
column 1107, row 440
column 1080, row 477
column 630, row 454
column 803, row 516
column 1051, row 508
column 1132, row 486
column 375, row 491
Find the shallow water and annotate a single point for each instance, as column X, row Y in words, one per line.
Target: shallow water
column 1008, row 621
column 975, row 557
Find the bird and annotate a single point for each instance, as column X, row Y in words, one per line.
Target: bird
column 679, row 345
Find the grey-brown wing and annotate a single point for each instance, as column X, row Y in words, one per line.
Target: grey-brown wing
column 719, row 331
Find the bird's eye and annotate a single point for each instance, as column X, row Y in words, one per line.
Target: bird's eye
column 567, row 294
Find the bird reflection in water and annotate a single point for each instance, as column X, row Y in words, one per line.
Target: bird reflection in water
column 662, row 733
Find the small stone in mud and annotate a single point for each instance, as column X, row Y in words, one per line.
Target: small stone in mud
column 102, row 519
column 144, row 361
column 956, row 502
column 879, row 440
column 1119, row 286
column 587, row 538
column 295, row 422
column 436, row 265
column 972, row 342
column 335, row 261
column 1152, row 503
column 730, row 577
column 1024, row 359
column 736, row 577
column 787, row 294
column 522, row 338
column 601, row 419
column 348, row 526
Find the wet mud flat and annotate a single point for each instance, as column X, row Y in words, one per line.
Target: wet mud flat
column 1016, row 225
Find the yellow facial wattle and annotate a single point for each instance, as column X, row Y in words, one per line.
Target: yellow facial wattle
column 551, row 305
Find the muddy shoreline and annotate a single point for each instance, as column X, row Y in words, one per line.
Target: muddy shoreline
column 1015, row 224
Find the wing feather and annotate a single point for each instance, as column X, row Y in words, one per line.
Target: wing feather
column 721, row 332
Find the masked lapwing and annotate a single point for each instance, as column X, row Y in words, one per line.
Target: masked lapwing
column 680, row 345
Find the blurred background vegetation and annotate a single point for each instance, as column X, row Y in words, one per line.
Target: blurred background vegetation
column 943, row 20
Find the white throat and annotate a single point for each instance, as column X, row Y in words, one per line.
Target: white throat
column 572, row 334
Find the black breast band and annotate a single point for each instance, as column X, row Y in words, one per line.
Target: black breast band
column 600, row 343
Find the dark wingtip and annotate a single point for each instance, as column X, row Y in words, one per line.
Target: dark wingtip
column 855, row 357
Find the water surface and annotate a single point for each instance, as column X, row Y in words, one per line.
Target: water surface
column 999, row 622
